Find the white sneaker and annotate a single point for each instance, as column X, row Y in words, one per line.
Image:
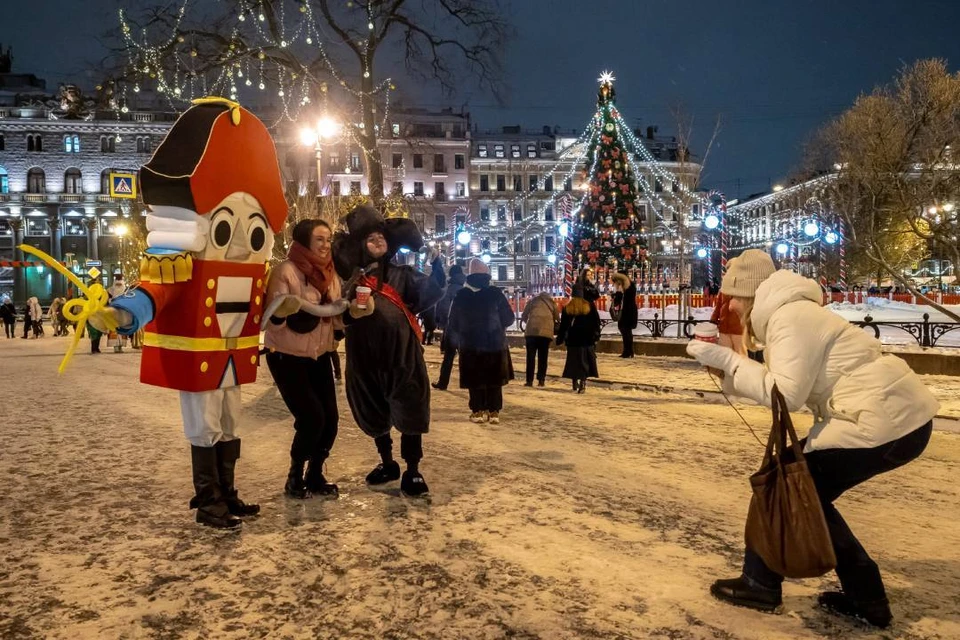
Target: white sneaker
column 478, row 417
column 494, row 417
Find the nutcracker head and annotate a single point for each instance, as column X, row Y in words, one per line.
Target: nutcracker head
column 213, row 186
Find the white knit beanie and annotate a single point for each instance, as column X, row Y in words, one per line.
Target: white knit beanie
column 746, row 272
column 477, row 266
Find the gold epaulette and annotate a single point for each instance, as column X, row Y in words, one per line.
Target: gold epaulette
column 166, row 268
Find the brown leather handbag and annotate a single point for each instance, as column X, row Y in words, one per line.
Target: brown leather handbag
column 785, row 523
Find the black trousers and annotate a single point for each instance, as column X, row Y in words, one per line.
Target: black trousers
column 307, row 388
column 538, row 348
column 335, row 359
column 27, row 325
column 446, row 367
column 627, row 336
column 834, row 471
column 8, row 327
column 486, row 398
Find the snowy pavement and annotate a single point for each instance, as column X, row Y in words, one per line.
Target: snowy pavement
column 605, row 515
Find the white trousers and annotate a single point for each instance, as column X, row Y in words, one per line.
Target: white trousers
column 210, row 416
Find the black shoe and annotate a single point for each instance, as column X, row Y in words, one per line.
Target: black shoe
column 582, row 387
column 296, row 487
column 384, row 473
column 218, row 516
column 528, row 384
column 438, row 386
column 876, row 612
column 413, row 485
column 227, row 455
column 541, row 383
column 317, row 484
column 739, row 592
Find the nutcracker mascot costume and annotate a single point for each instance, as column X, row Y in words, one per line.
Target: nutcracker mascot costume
column 215, row 197
column 387, row 383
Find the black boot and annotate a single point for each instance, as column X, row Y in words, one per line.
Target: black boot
column 413, row 485
column 583, row 386
column 315, row 482
column 876, row 612
column 228, row 452
column 211, row 507
column 744, row 594
column 296, row 487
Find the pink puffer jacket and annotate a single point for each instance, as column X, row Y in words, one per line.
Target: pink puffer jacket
column 287, row 279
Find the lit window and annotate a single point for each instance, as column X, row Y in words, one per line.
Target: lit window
column 482, row 150
column 461, row 189
column 531, row 151
column 395, row 128
column 514, row 151
column 498, row 150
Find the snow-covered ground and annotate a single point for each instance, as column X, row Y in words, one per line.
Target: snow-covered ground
column 605, row 515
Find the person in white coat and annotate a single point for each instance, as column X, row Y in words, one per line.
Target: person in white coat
column 872, row 414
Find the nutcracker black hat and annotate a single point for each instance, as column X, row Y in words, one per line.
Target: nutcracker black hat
column 349, row 246
column 214, row 149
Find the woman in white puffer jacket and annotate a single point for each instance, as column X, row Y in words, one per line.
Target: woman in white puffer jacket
column 872, row 414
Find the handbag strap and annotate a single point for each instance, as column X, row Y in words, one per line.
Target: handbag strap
column 783, row 424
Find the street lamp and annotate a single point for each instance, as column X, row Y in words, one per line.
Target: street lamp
column 326, row 130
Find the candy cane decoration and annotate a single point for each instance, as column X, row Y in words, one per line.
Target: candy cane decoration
column 564, row 210
column 841, row 240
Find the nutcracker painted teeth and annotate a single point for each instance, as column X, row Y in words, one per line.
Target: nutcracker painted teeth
column 215, row 198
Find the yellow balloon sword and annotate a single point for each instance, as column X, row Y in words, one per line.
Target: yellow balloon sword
column 76, row 310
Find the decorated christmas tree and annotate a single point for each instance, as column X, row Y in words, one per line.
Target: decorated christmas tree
column 607, row 233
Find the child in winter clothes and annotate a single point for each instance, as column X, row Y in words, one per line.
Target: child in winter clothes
column 478, row 323
column 580, row 330
column 871, row 414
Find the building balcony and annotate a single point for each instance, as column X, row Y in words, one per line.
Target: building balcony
column 71, row 197
column 38, row 197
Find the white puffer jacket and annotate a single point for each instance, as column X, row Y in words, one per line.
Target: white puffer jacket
column 860, row 398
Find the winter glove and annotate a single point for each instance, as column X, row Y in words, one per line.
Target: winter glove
column 108, row 316
column 283, row 306
column 715, row 357
column 356, row 312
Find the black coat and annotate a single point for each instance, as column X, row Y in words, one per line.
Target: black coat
column 8, row 313
column 443, row 307
column 478, row 321
column 629, row 315
column 387, row 383
column 581, row 330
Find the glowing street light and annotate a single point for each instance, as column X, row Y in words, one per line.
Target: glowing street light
column 552, row 259
column 327, row 127
column 782, row 248
column 121, row 230
column 485, row 258
column 711, row 221
column 831, row 237
column 564, row 229
column 701, row 253
column 463, row 237
column 811, row 228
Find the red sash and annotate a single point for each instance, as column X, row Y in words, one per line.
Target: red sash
column 391, row 294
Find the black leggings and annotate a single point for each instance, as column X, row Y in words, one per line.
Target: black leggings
column 486, row 398
column 307, row 387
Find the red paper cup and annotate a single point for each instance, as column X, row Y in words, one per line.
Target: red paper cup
column 363, row 295
column 706, row 332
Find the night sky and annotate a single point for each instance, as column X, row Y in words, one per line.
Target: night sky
column 774, row 70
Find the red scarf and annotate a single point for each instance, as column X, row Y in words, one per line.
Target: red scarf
column 391, row 294
column 318, row 273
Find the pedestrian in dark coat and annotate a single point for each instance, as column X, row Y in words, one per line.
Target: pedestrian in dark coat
column 478, row 323
column 429, row 316
column 442, row 312
column 540, row 318
column 587, row 286
column 625, row 306
column 386, row 378
column 9, row 315
column 580, row 330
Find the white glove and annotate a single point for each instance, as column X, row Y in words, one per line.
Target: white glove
column 101, row 320
column 283, row 306
column 715, row 356
column 356, row 312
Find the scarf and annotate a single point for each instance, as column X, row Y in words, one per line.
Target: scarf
column 318, row 274
column 393, row 296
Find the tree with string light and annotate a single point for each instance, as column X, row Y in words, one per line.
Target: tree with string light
column 281, row 46
column 608, row 230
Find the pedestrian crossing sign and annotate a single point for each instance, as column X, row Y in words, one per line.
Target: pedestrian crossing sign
column 123, row 185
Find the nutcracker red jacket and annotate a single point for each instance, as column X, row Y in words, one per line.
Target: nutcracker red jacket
column 200, row 333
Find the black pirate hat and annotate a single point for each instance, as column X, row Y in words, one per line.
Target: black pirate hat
column 349, row 249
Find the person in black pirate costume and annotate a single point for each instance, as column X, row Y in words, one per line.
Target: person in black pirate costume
column 387, row 383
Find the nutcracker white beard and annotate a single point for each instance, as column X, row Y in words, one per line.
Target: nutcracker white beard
column 236, row 230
